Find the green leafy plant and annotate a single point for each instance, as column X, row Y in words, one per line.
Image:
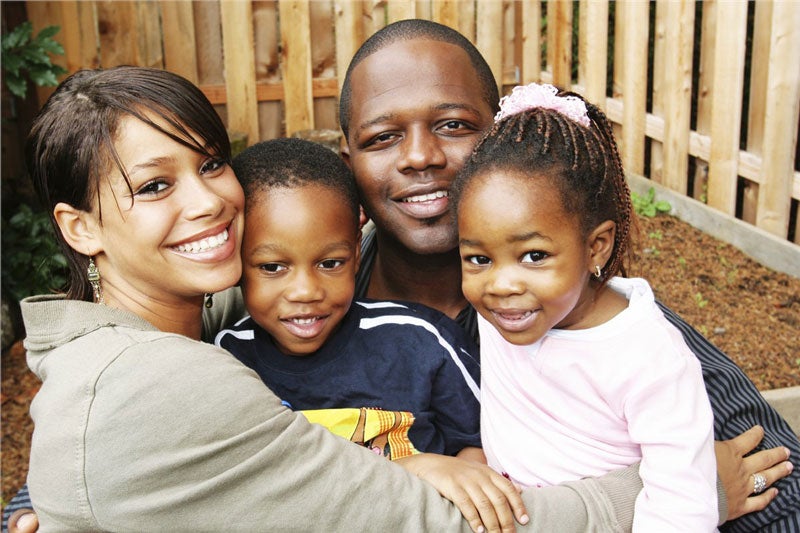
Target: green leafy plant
column 26, row 57
column 699, row 300
column 647, row 205
column 32, row 261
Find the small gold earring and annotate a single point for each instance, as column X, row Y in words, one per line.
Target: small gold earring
column 209, row 300
column 93, row 275
column 597, row 272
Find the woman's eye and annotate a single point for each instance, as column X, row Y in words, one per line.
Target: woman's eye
column 212, row 165
column 534, row 257
column 330, row 264
column 272, row 268
column 152, row 187
column 478, row 259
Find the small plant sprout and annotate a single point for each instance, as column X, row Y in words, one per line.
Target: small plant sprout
column 647, row 205
column 699, row 300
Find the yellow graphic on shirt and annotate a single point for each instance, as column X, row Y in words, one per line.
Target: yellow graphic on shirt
column 383, row 432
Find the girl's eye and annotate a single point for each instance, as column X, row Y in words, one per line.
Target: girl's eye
column 534, row 257
column 478, row 260
column 152, row 188
column 272, row 268
column 330, row 264
column 212, row 166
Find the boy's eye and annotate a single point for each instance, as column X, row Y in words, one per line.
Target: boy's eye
column 152, row 187
column 478, row 259
column 330, row 264
column 272, row 268
column 533, row 257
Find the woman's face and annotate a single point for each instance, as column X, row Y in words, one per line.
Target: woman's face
column 178, row 235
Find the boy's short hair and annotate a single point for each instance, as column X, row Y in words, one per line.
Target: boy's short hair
column 290, row 163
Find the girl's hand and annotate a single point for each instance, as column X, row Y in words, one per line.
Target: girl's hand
column 736, row 471
column 488, row 501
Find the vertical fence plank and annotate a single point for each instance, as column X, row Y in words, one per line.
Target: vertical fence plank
column 79, row 38
column 399, row 9
column 180, row 50
column 660, row 78
column 782, row 108
column 296, row 65
column 348, row 35
column 531, row 41
column 705, row 85
column 446, row 12
column 118, row 34
column 491, row 16
column 759, row 70
column 266, row 37
column 240, row 72
column 149, row 49
column 726, row 111
column 634, row 36
column 559, row 41
column 677, row 84
column 593, row 50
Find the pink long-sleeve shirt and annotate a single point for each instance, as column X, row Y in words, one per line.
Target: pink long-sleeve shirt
column 581, row 403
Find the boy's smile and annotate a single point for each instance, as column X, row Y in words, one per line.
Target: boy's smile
column 300, row 254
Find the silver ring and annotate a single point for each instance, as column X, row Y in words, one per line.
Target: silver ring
column 759, row 483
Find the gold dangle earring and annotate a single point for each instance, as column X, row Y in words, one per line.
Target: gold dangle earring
column 597, row 272
column 93, row 275
column 209, row 300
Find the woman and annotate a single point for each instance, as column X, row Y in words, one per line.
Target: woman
column 139, row 424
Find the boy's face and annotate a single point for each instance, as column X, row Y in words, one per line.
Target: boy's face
column 417, row 110
column 300, row 254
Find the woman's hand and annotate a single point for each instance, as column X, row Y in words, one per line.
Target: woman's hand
column 488, row 501
column 23, row 521
column 737, row 471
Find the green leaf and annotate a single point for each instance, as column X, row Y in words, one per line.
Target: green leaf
column 43, row 77
column 17, row 86
column 47, row 32
column 663, row 206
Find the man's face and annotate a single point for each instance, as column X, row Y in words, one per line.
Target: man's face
column 417, row 110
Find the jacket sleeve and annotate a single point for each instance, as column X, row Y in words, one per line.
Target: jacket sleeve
column 214, row 450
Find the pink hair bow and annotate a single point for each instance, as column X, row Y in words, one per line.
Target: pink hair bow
column 533, row 95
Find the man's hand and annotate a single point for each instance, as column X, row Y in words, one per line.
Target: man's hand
column 737, row 471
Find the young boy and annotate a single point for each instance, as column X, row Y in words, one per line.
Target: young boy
column 395, row 377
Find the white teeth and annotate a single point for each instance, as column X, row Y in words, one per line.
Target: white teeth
column 304, row 321
column 204, row 244
column 426, row 197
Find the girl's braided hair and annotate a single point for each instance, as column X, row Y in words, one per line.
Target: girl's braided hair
column 582, row 162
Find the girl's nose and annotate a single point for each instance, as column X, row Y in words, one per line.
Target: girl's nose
column 504, row 281
column 202, row 199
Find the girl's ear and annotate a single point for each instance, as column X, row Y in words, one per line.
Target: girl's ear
column 79, row 228
column 601, row 244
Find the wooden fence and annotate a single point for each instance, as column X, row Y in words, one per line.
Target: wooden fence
column 705, row 96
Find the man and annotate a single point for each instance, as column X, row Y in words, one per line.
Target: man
column 416, row 98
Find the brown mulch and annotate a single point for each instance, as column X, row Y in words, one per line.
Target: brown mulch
column 748, row 311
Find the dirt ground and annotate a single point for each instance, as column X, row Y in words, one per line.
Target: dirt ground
column 747, row 310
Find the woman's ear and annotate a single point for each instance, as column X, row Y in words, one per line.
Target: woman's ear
column 79, row 228
column 601, row 244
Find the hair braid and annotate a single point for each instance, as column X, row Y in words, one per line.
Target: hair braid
column 583, row 162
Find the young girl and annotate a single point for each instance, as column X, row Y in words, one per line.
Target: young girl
column 581, row 372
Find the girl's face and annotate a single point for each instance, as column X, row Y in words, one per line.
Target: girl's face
column 179, row 234
column 525, row 263
column 300, row 257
